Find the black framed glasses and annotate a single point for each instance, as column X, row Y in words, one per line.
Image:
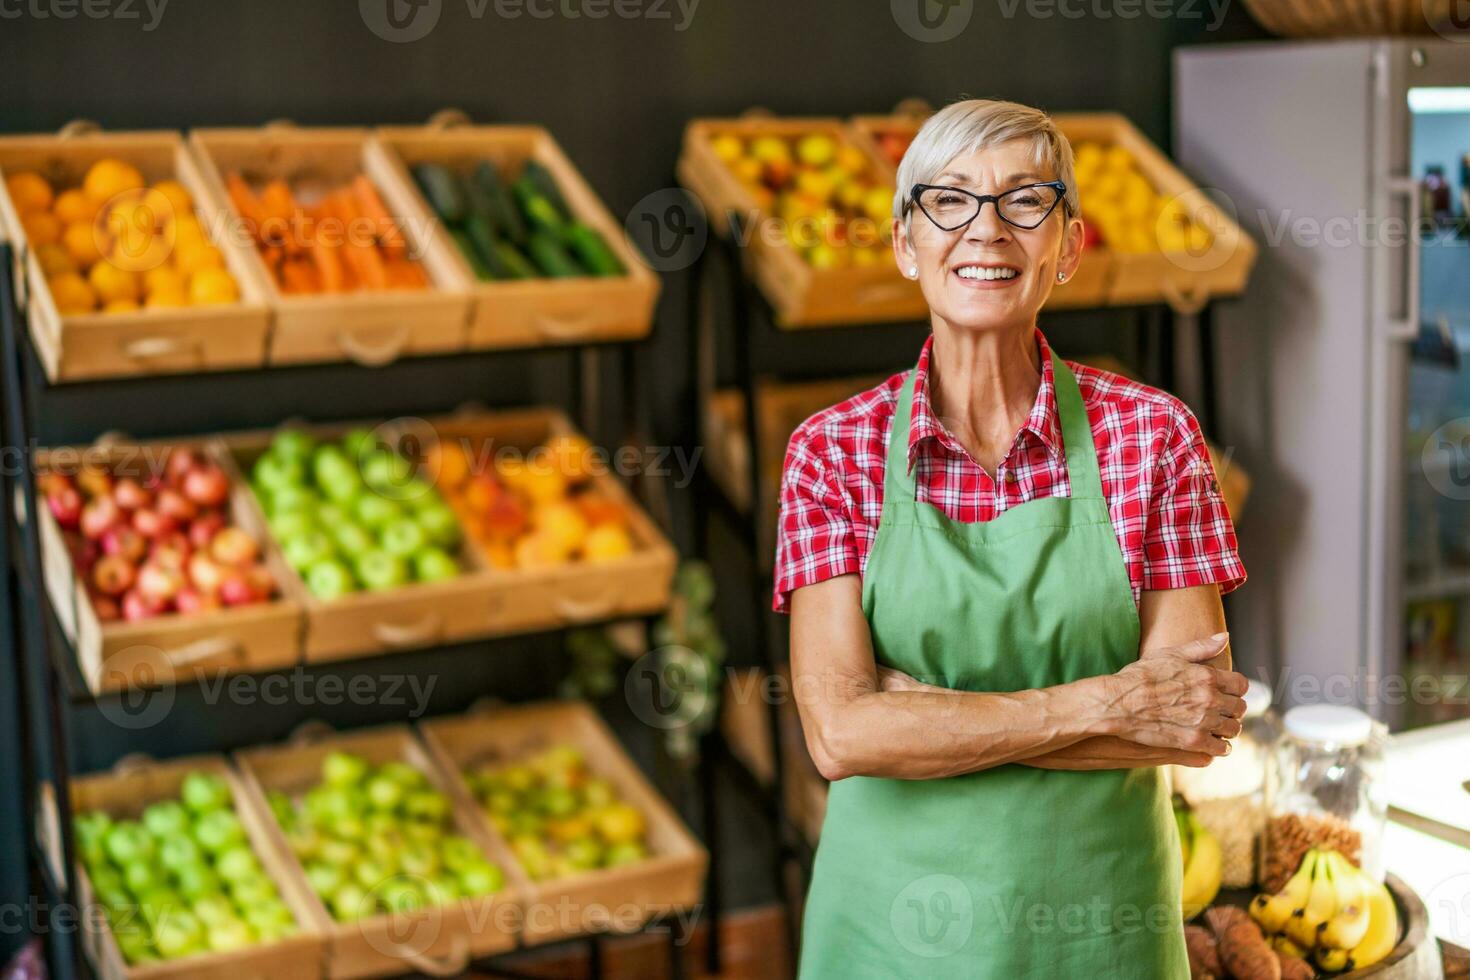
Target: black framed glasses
column 953, row 208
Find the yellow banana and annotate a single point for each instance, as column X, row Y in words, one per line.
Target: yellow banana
column 1347, row 928
column 1283, row 945
column 1202, row 873
column 1321, row 905
column 1271, row 912
column 1383, row 928
column 1333, row 960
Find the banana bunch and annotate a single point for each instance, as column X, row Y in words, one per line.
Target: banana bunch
column 1330, row 911
column 1202, row 862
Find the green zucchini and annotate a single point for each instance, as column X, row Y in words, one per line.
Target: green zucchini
column 540, row 213
column 471, row 255
column 592, row 250
column 551, row 258
column 442, row 191
column 507, row 222
column 541, row 178
column 511, row 264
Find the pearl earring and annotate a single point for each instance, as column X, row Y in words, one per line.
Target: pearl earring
column 913, row 272
column 1061, row 277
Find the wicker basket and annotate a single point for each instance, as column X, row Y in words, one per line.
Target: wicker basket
column 1344, row 18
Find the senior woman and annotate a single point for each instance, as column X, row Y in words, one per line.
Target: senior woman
column 1004, row 574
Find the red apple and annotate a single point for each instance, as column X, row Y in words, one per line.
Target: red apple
column 66, row 506
column 175, row 505
column 233, row 546
column 94, row 481
column 189, row 601
column 100, row 514
column 159, row 583
column 207, row 485
column 152, row 482
column 204, row 527
column 84, row 553
column 262, row 582
column 136, row 606
column 151, row 524
column 236, row 590
column 130, row 495
column 106, row 608
column 206, row 573
column 180, row 462
column 113, row 575
column 123, row 540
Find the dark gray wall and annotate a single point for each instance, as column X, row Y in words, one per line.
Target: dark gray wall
column 616, row 92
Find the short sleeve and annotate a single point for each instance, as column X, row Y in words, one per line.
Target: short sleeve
column 815, row 539
column 1189, row 538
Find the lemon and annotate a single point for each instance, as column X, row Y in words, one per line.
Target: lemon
column 193, row 254
column 177, row 194
column 29, row 190
column 852, row 160
column 607, row 542
column 55, row 260
column 41, row 228
column 167, row 297
column 816, row 150
column 110, row 177
column 80, row 242
column 72, row 294
column 112, row 282
column 878, row 203
column 72, row 206
column 120, row 306
column 727, row 147
column 770, row 149
column 212, row 287
column 164, row 279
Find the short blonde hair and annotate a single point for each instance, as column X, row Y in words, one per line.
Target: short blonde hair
column 978, row 124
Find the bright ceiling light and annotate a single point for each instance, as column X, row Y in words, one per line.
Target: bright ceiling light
column 1439, row 100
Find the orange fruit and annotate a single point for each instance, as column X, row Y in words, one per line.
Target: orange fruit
column 41, row 228
column 607, row 542
column 573, row 456
column 170, row 296
column 112, row 282
column 80, row 240
column 212, row 287
column 120, row 306
column 178, row 196
column 563, row 523
column 108, row 178
column 72, row 294
column 192, row 254
column 164, row 279
column 55, row 260
column 72, row 206
column 29, row 191
column 538, row 550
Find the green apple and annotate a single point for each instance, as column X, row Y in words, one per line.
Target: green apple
column 237, row 863
column 292, row 524
column 94, row 853
column 386, row 472
column 141, row 875
column 271, row 920
column 293, row 444
column 380, row 570
column 307, row 549
column 157, row 903
column 339, row 852
column 440, row 523
column 414, row 492
column 281, row 808
column 359, row 442
column 106, row 878
column 428, row 805
column 249, row 892
column 403, row 773
column 343, row 769
column 329, row 579
column 379, row 823
column 351, row 827
column 196, row 881
column 434, row 565
column 137, row 948
column 419, row 858
column 402, row 537
column 203, row 792
column 335, row 474
column 218, row 830
column 598, row 793
column 443, row 888
column 166, row 820
column 375, row 512
column 584, row 853
column 305, row 840
column 324, row 878
column 481, row 879
column 275, row 473
column 422, row 832
column 330, row 516
column 210, row 909
column 350, row 902
column 129, row 841
column 385, row 848
column 459, row 852
column 293, row 499
column 626, row 852
column 401, row 895
column 91, row 827
column 370, row 873
column 228, row 935
column 177, row 935
column 384, row 793
column 179, row 851
column 352, row 539
column 559, row 801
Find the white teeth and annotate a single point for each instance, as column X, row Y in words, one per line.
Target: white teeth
column 985, row 272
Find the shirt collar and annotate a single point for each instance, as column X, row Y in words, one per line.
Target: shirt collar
column 1042, row 422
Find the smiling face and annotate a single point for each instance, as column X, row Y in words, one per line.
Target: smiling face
column 989, row 274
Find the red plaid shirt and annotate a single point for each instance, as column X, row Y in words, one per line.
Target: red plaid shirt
column 1161, row 490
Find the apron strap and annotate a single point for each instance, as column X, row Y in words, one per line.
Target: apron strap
column 1081, row 454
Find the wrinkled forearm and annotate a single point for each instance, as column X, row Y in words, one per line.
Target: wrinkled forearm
column 1112, row 752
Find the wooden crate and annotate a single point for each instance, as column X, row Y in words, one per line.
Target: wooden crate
column 802, row 296
column 530, row 311
column 124, row 793
column 82, row 346
column 170, row 648
column 620, row 898
column 367, row 326
column 439, row 940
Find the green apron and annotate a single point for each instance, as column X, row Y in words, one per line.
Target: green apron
column 1012, row 872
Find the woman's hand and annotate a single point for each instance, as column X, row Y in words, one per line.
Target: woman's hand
column 1170, row 699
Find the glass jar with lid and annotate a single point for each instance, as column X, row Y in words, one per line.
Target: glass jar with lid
column 1327, row 789
column 1229, row 795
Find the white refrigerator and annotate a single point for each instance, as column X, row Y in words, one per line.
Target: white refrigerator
column 1345, row 368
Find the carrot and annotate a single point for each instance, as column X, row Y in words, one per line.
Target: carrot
column 361, row 257
column 370, row 206
column 299, row 276
column 246, row 205
column 405, row 274
column 328, row 266
column 283, row 216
